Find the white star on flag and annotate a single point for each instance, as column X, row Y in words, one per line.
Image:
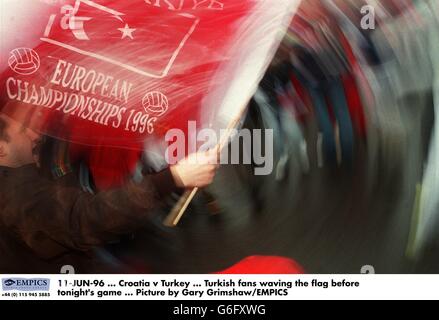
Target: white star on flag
column 127, row 31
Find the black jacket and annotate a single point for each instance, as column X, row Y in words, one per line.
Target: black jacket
column 46, row 223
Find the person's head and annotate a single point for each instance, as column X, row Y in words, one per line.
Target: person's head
column 18, row 144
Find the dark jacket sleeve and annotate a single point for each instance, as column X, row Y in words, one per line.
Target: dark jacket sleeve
column 60, row 216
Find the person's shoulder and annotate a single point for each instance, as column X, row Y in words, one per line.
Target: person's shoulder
column 24, row 181
column 10, row 175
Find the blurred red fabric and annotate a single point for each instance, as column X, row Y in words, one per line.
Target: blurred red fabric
column 264, row 265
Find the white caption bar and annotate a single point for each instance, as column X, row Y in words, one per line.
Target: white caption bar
column 218, row 287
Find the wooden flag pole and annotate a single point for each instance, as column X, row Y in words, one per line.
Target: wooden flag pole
column 180, row 207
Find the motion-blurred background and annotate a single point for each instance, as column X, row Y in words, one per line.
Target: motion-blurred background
column 351, row 96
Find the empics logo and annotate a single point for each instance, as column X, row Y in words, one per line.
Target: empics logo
column 22, row 284
column 8, row 282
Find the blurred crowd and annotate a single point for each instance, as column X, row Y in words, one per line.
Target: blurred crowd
column 352, row 96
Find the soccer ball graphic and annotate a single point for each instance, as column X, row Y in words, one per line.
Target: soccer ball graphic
column 24, row 61
column 155, row 103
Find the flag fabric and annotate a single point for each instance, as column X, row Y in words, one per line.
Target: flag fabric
column 113, row 73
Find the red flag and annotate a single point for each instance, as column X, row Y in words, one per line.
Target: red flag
column 112, row 73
